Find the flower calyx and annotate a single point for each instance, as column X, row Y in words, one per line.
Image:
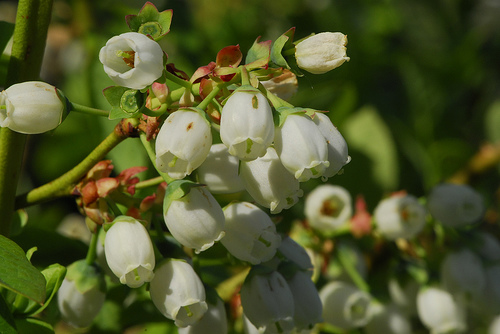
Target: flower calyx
column 150, row 22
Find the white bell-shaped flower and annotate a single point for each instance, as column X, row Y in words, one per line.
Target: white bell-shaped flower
column 132, row 60
column 269, row 183
column 308, row 307
column 344, row 305
column 178, row 293
column 294, row 252
column 214, row 320
column 399, row 216
column 488, row 246
column 322, row 52
column 183, row 143
column 31, row 107
column 328, row 207
column 494, row 327
column 440, row 311
column 129, row 252
column 268, row 302
column 301, row 147
column 219, row 171
column 195, row 220
column 462, row 271
column 338, row 155
column 246, row 124
column 250, row 233
column 455, row 205
column 388, row 319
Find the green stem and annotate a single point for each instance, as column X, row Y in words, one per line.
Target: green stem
column 64, row 185
column 30, row 34
column 88, row 110
column 149, row 183
column 175, row 79
column 148, row 145
column 207, row 100
column 351, row 270
column 245, row 78
column 92, row 252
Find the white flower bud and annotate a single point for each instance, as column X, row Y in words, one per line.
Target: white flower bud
column 178, row 293
column 214, row 319
column 296, row 253
column 129, row 252
column 344, row 305
column 269, row 183
column 455, row 205
column 250, row 234
column 31, row 107
column 183, row 143
column 132, row 60
column 494, row 327
column 301, row 147
column 195, row 220
column 400, row 216
column 308, row 307
column 328, row 207
column 337, row 147
column 322, row 52
column 440, row 312
column 246, row 125
column 462, row 271
column 387, row 319
column 219, row 171
column 79, row 309
column 268, row 302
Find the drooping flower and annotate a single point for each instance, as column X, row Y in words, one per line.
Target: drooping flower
column 399, row 216
column 214, row 319
column 129, row 252
column 328, row 207
column 178, row 293
column 31, row 107
column 301, row 147
column 388, row 319
column 246, row 125
column 250, row 234
column 269, row 183
column 195, row 220
column 132, row 60
column 322, row 52
column 183, row 142
column 462, row 271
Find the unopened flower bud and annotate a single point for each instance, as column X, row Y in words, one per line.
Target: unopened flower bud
column 440, row 311
column 268, row 302
column 132, row 60
column 301, row 147
column 31, row 107
column 328, row 207
column 250, row 234
column 129, row 252
column 455, row 205
column 399, row 216
column 269, row 183
column 344, row 305
column 462, row 271
column 178, row 293
column 183, row 143
column 322, row 52
column 246, row 125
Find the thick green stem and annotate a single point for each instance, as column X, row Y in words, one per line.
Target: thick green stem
column 30, row 34
column 92, row 252
column 177, row 80
column 88, row 110
column 64, row 185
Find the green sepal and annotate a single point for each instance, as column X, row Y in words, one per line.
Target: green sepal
column 18, row 274
column 177, row 190
column 85, row 276
column 66, row 103
column 259, row 55
column 283, row 42
column 125, row 102
column 149, row 21
column 107, row 225
column 283, row 112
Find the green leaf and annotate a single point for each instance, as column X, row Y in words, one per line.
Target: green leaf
column 32, row 325
column 7, row 30
column 125, row 102
column 369, row 137
column 259, row 54
column 54, row 276
column 7, row 323
column 18, row 274
column 283, row 42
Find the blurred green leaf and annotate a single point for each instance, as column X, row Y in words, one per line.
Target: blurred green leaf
column 7, row 323
column 18, row 274
column 32, row 325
